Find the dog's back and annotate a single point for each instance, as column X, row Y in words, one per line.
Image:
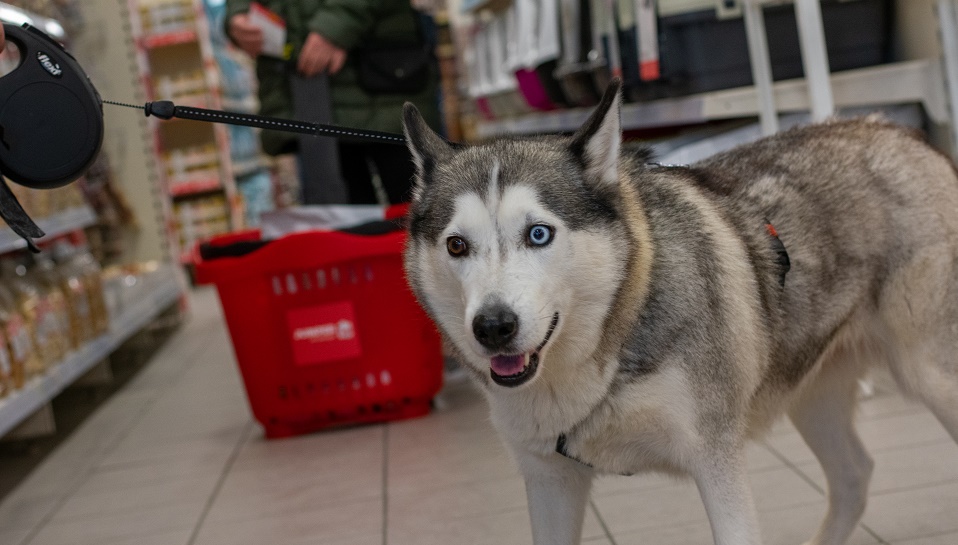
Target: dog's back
column 867, row 213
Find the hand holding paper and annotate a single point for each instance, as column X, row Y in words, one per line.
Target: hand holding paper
column 263, row 30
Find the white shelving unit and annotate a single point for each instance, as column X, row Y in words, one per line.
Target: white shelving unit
column 899, row 83
column 170, row 53
column 157, row 292
column 54, row 226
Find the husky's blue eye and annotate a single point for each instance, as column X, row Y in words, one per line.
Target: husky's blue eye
column 540, row 235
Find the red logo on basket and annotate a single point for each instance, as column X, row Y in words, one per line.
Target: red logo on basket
column 323, row 333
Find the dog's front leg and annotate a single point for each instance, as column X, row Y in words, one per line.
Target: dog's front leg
column 558, row 489
column 723, row 484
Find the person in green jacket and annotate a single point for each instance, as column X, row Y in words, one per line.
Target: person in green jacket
column 327, row 36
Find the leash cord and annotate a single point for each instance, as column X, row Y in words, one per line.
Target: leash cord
column 165, row 109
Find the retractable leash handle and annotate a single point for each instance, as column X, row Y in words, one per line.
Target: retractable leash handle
column 51, row 123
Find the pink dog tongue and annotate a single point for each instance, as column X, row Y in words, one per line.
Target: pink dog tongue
column 506, row 366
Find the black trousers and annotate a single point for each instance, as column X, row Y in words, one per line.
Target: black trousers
column 392, row 162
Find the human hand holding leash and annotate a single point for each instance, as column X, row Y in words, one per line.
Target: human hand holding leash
column 320, row 55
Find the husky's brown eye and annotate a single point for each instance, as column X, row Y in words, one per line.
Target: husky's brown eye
column 457, row 246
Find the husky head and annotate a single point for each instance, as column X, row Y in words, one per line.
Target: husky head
column 517, row 247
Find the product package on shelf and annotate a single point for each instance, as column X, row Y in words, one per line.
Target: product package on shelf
column 160, row 17
column 43, row 203
column 34, row 303
column 80, row 280
column 51, row 304
column 183, row 88
column 124, row 285
column 198, row 219
column 15, row 335
column 56, row 320
column 193, row 169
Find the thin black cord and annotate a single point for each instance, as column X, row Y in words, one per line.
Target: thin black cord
column 135, row 107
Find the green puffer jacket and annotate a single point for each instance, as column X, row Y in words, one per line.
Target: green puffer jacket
column 348, row 24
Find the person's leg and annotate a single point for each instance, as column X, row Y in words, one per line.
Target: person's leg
column 355, row 170
column 396, row 170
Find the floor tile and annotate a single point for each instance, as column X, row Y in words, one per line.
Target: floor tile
column 888, row 433
column 887, row 405
column 13, row 537
column 179, row 537
column 915, row 513
column 333, row 523
column 174, row 518
column 910, row 467
column 22, row 512
column 247, row 495
column 940, row 539
column 117, row 478
column 789, row 526
column 491, row 529
column 469, row 499
column 331, row 448
column 681, row 504
column 91, row 505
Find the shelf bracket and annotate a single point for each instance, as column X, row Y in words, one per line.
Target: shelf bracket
column 761, row 66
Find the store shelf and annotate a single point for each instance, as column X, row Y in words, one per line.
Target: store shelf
column 159, row 290
column 247, row 166
column 900, row 83
column 53, row 226
column 185, row 36
column 193, row 188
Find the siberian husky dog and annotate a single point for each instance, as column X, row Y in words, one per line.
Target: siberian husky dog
column 622, row 316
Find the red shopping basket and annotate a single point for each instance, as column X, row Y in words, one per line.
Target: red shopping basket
column 325, row 329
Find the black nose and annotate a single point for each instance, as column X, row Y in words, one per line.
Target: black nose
column 495, row 327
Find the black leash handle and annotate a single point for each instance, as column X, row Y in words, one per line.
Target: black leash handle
column 165, row 109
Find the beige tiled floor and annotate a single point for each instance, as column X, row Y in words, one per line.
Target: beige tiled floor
column 174, row 459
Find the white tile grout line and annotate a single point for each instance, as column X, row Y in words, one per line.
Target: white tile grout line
column 385, row 483
column 605, row 527
column 801, row 474
column 144, row 409
column 89, row 472
column 244, row 437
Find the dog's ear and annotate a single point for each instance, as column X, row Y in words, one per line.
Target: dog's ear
column 597, row 143
column 424, row 144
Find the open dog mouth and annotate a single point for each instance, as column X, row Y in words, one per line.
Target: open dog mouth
column 514, row 370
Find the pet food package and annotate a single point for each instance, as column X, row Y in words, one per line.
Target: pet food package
column 30, row 307
column 92, row 276
column 17, row 346
column 55, row 323
column 74, row 285
column 6, row 362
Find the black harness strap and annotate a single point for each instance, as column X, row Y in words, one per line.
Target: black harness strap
column 784, row 264
column 561, row 449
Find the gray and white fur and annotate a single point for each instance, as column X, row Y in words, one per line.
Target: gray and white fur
column 623, row 317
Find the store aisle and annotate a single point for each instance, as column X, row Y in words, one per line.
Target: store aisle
column 174, row 459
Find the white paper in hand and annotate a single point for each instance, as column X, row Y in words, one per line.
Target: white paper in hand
column 274, row 30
